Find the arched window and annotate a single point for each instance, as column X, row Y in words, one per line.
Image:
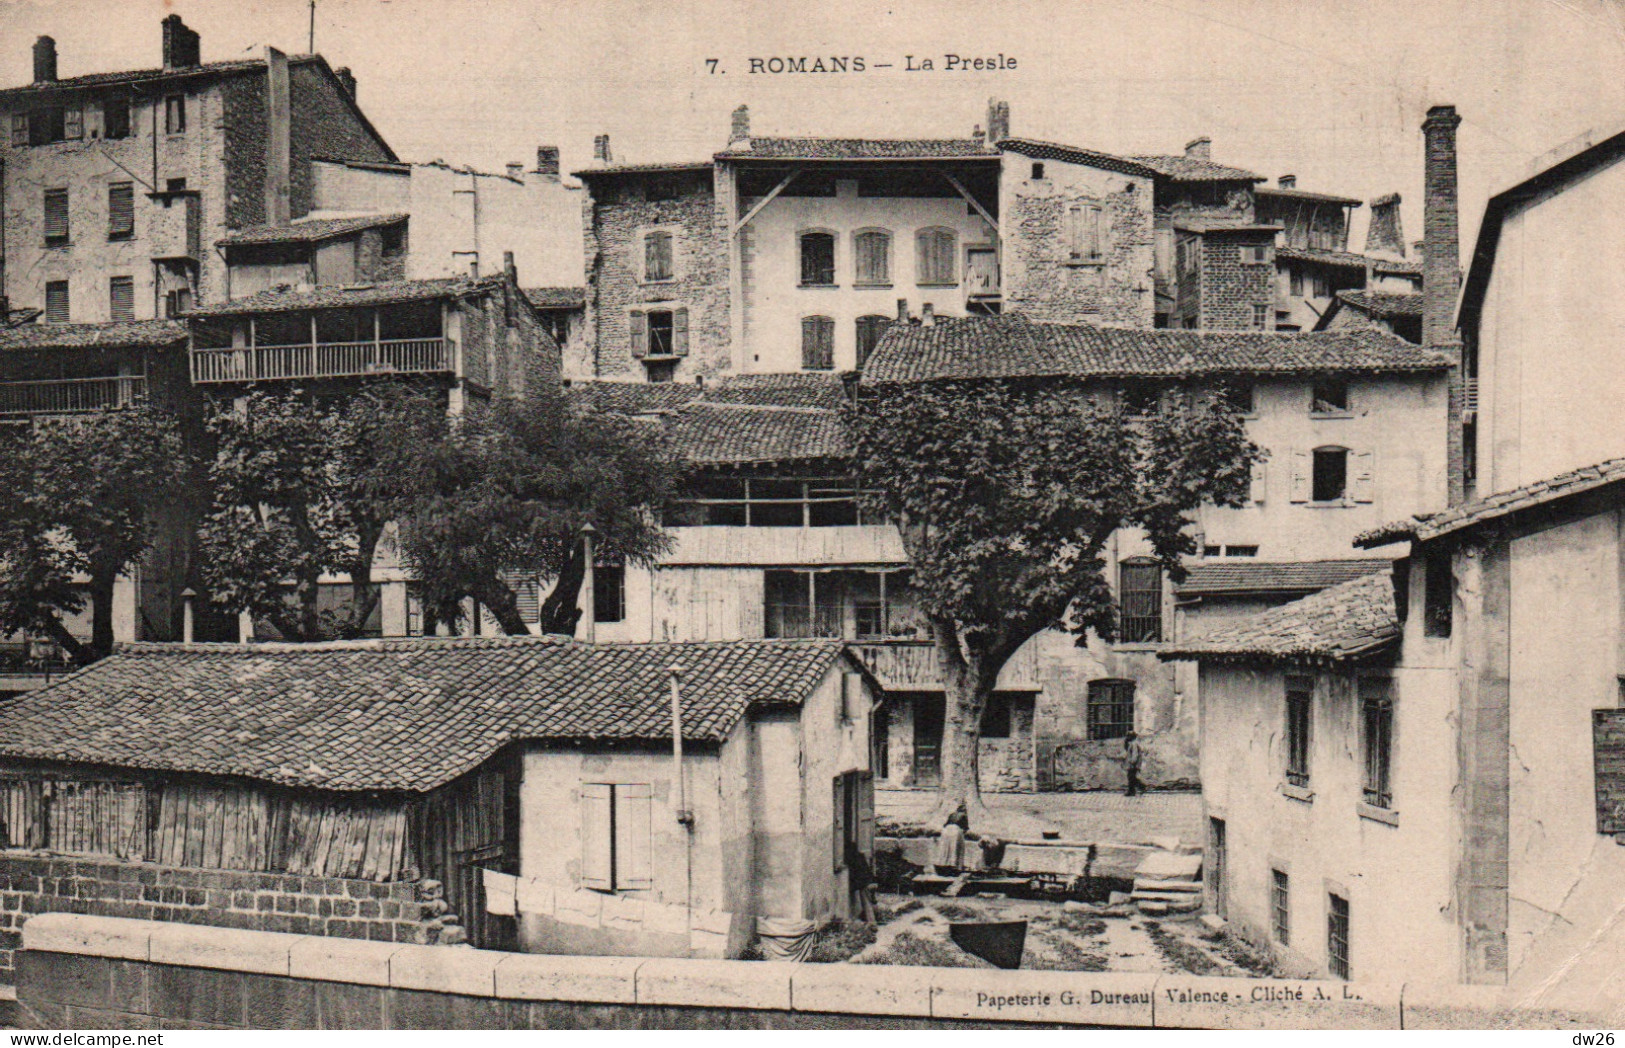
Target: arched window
column 817, row 259
column 657, row 257
column 870, row 329
column 935, row 255
column 871, row 253
column 818, row 343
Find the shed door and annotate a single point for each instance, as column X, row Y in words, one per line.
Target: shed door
column 929, row 713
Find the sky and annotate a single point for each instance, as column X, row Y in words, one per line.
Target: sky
column 1332, row 92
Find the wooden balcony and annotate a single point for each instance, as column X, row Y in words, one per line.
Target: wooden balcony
column 414, row 356
column 71, row 395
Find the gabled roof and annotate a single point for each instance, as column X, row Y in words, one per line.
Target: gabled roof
column 861, row 149
column 557, row 297
column 396, row 714
column 1497, row 506
column 1235, row 577
column 1383, row 303
column 1347, row 621
column 308, row 231
column 1194, row 169
column 114, row 335
column 1304, row 194
column 1077, row 155
column 1013, row 347
column 805, row 390
column 709, row 434
column 340, row 296
column 1547, row 173
column 1349, row 259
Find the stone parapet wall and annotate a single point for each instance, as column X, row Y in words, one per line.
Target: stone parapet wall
column 402, row 912
column 82, row 972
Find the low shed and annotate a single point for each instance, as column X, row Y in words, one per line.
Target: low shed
column 523, row 790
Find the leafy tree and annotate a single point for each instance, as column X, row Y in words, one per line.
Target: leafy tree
column 302, row 487
column 81, row 492
column 507, row 494
column 1006, row 493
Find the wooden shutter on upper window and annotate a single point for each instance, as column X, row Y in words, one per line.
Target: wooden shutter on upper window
column 634, row 821
column 73, row 123
column 1300, row 476
column 640, row 333
column 838, row 822
column 597, row 836
column 56, row 214
column 679, row 332
column 121, row 298
column 1362, row 486
column 120, row 210
column 817, row 343
column 19, row 129
column 1258, row 486
column 866, row 812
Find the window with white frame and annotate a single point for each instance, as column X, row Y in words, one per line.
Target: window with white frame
column 616, row 836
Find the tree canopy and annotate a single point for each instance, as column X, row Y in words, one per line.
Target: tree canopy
column 82, row 492
column 1006, row 493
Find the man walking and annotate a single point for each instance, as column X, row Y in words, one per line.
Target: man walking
column 1132, row 756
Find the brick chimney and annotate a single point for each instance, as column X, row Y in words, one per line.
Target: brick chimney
column 44, row 60
column 1441, row 274
column 739, row 129
column 1199, row 148
column 1385, row 235
column 600, row 149
column 346, row 78
column 998, row 121
column 928, row 316
column 181, row 45
column 547, row 162
column 1286, row 181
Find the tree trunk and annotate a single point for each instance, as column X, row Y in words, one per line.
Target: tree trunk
column 967, row 682
column 101, row 613
column 364, row 595
column 559, row 611
column 70, row 644
column 499, row 600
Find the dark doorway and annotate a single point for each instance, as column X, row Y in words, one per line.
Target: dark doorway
column 1216, row 862
column 929, row 714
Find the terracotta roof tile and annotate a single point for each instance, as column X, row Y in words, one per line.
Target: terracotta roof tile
column 241, row 65
column 1384, row 303
column 306, row 231
column 1343, row 622
column 392, row 715
column 860, row 149
column 114, row 335
column 557, row 297
column 339, row 296
column 1233, row 576
column 718, row 434
column 1076, row 155
column 1295, row 193
column 1014, row 347
column 1194, row 169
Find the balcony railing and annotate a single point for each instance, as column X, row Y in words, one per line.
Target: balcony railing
column 1469, row 397
column 69, row 395
column 322, row 360
column 797, row 621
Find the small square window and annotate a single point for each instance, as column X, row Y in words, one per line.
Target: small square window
column 1254, row 253
column 1329, row 396
column 1038, row 170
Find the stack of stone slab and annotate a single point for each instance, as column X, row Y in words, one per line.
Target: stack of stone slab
column 1168, row 882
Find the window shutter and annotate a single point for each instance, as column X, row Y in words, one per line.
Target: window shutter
column 1074, row 232
column 838, row 823
column 866, row 813
column 679, row 332
column 121, row 298
column 1364, row 484
column 640, row 334
column 634, row 817
column 56, row 302
column 817, row 343
column 56, row 214
column 120, row 210
column 19, row 129
column 1300, row 476
column 597, row 840
column 1093, row 249
column 73, row 123
column 1258, row 488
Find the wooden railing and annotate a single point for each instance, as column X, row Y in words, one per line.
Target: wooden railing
column 322, row 360
column 66, row 396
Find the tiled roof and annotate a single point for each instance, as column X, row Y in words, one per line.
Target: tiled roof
column 392, row 715
column 723, row 434
column 1305, row 194
column 1194, row 169
column 1075, row 155
column 860, row 149
column 556, row 297
column 642, row 169
column 632, row 398
column 1501, row 504
column 1013, row 347
column 1346, row 621
column 1384, row 303
column 343, row 295
column 240, row 65
column 1405, row 266
column 307, row 231
column 807, row 390
column 1238, row 576
column 1325, row 256
column 118, row 334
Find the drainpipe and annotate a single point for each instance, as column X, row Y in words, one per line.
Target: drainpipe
column 684, row 816
column 188, row 595
column 588, row 631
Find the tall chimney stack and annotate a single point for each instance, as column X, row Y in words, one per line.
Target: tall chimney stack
column 181, row 45
column 44, row 60
column 1199, row 148
column 739, row 129
column 1385, row 236
column 1441, row 275
column 600, row 149
column 547, row 162
column 998, row 121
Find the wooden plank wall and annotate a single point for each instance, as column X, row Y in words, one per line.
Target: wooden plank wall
column 209, row 826
column 467, row 826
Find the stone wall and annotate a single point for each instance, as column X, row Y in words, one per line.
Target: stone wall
column 408, row 912
column 1230, row 288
